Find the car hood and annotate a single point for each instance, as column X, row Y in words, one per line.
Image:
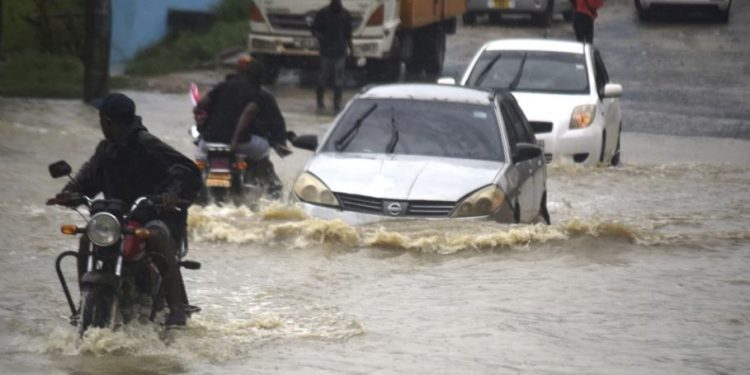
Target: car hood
column 403, row 177
column 550, row 107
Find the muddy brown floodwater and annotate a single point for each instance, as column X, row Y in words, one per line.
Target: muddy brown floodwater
column 645, row 270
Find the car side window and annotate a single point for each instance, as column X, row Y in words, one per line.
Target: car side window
column 600, row 71
column 523, row 134
column 510, row 129
column 524, row 125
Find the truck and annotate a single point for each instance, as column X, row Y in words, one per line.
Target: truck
column 385, row 34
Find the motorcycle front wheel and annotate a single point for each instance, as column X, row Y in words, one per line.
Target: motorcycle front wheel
column 96, row 305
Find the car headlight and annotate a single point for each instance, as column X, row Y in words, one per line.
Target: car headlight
column 480, row 203
column 583, row 116
column 103, row 229
column 310, row 189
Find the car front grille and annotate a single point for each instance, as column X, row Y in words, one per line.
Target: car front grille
column 298, row 22
column 548, row 158
column 430, row 209
column 360, row 203
column 541, row 127
column 365, row 204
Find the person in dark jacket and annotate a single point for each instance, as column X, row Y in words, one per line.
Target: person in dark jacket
column 332, row 27
column 246, row 116
column 583, row 19
column 131, row 163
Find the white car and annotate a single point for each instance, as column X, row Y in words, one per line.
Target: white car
column 563, row 88
column 541, row 11
column 428, row 152
column 646, row 7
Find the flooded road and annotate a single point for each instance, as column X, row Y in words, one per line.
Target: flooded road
column 645, row 270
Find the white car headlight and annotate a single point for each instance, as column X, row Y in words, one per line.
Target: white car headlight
column 310, row 189
column 583, row 116
column 482, row 202
column 103, row 229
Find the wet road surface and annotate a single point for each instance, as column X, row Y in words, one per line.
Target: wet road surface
column 645, row 270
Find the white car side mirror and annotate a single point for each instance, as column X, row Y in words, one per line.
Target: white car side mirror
column 446, row 81
column 612, row 90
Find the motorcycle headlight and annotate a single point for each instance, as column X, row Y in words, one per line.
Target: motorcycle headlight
column 481, row 203
column 310, row 189
column 103, row 229
column 583, row 116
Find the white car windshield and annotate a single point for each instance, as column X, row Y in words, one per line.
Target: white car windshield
column 549, row 72
column 416, row 127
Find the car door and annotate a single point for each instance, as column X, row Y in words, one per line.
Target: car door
column 537, row 166
column 607, row 108
column 525, row 170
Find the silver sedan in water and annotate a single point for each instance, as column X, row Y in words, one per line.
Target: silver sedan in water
column 427, row 151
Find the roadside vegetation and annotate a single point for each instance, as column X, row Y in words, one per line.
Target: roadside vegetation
column 42, row 47
column 186, row 50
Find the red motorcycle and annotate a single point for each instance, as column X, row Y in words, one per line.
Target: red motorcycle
column 122, row 281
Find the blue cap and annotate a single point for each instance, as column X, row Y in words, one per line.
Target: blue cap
column 118, row 107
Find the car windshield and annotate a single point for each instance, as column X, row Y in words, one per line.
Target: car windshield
column 416, row 127
column 550, row 72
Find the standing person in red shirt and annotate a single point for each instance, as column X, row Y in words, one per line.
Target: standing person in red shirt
column 583, row 21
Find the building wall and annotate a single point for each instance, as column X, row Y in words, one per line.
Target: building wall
column 137, row 24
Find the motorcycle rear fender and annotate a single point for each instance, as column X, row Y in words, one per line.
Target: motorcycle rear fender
column 101, row 278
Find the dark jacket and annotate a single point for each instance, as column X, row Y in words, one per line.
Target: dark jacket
column 333, row 29
column 227, row 102
column 138, row 165
column 269, row 123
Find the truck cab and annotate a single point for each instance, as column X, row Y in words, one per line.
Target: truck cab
column 386, row 33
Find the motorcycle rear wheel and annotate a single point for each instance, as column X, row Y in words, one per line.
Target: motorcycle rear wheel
column 96, row 305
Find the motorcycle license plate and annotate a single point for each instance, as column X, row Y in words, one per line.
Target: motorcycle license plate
column 501, row 4
column 219, row 180
column 220, row 163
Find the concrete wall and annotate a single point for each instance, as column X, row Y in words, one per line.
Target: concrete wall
column 137, row 24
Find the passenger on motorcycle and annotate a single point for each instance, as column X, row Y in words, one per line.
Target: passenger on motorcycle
column 241, row 113
column 131, row 163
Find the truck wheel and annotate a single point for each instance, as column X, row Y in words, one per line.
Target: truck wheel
column 387, row 70
column 435, row 56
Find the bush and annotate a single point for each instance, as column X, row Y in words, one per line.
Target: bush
column 38, row 74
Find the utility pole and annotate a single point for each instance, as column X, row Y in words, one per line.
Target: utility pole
column 98, row 26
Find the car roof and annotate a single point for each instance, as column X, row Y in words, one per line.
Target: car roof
column 429, row 92
column 542, row 45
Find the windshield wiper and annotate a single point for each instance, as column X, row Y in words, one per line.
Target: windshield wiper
column 487, row 69
column 517, row 78
column 394, row 131
column 345, row 139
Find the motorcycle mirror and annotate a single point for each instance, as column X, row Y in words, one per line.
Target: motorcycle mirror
column 59, row 169
column 306, row 142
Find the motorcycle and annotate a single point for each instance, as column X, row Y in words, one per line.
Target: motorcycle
column 229, row 176
column 122, row 281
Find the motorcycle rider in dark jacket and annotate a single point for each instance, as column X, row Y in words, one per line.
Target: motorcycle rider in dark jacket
column 131, row 163
column 241, row 113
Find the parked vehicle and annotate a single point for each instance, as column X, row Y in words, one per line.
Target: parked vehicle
column 387, row 33
column 541, row 11
column 565, row 91
column 646, row 8
column 427, row 151
column 122, row 281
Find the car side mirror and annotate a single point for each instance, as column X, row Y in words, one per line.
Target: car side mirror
column 305, row 142
column 59, row 169
column 612, row 90
column 446, row 81
column 527, row 151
